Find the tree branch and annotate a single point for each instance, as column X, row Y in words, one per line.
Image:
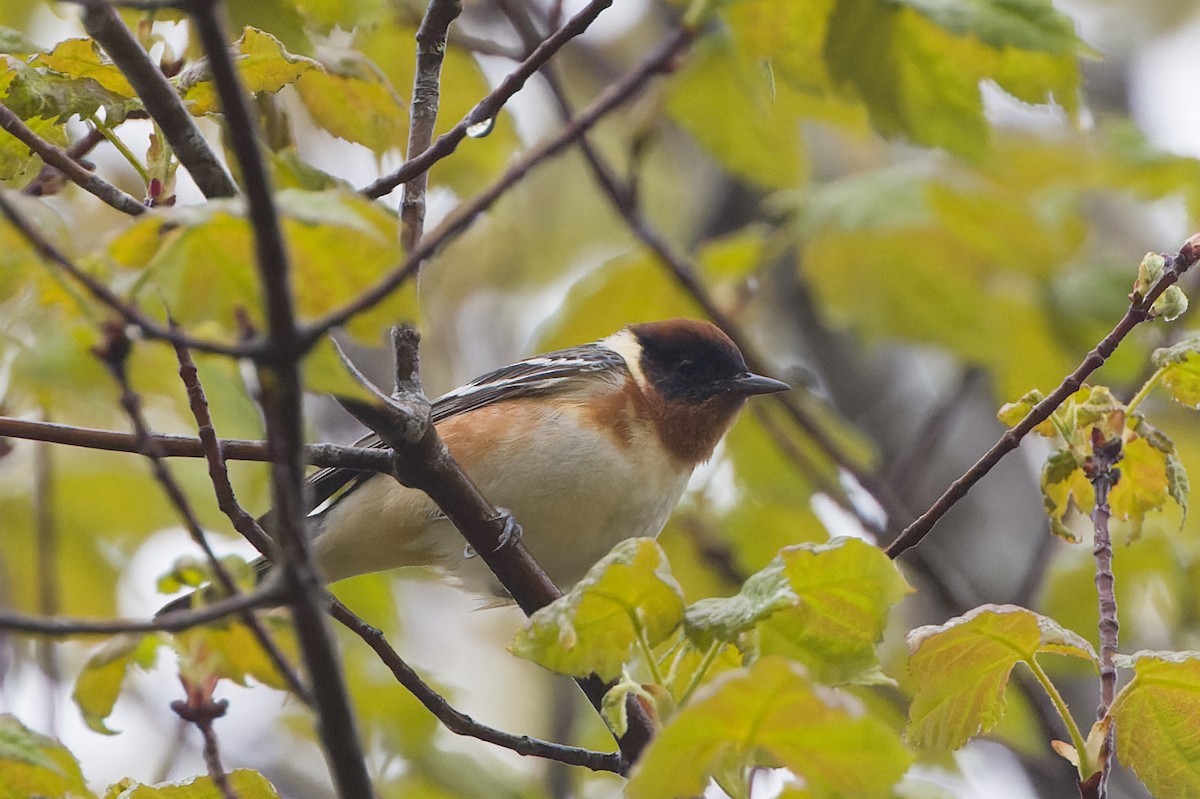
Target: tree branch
column 1138, row 312
column 460, row 723
column 61, row 160
column 489, row 106
column 126, row 311
column 462, row 216
column 161, row 100
column 267, row 595
column 431, row 49
column 282, row 393
column 366, row 459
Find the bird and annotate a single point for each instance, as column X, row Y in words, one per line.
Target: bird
column 585, row 446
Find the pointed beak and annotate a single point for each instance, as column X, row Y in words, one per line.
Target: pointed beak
column 751, row 384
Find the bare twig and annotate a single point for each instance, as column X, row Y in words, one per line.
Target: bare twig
column 202, row 710
column 281, row 394
column 114, row 353
column 1138, row 312
column 489, row 106
column 61, row 160
column 466, row 213
column 161, row 100
column 1100, row 469
column 431, row 49
column 460, row 723
column 127, row 311
column 365, row 459
column 267, row 595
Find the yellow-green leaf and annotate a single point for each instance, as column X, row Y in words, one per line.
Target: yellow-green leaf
column 961, row 669
column 1180, row 365
column 595, row 628
column 353, row 101
column 770, row 714
column 1155, row 716
column 246, row 784
column 35, row 765
column 80, row 58
column 231, row 651
column 99, row 683
column 263, row 64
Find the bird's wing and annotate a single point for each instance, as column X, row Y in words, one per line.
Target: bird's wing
column 539, row 375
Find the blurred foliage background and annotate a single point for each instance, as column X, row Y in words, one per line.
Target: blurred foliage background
column 916, row 210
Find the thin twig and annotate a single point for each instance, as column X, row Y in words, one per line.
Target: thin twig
column 202, row 710
column 114, row 353
column 282, row 391
column 366, row 459
column 460, row 723
column 159, row 97
column 1100, row 469
column 490, row 106
column 227, row 501
column 1138, row 312
column 127, row 311
column 267, row 595
column 431, row 49
column 61, row 160
column 462, row 216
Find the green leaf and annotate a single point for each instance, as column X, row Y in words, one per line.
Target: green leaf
column 961, row 669
column 1023, row 24
column 81, row 58
column 1143, row 483
column 263, row 65
column 771, row 715
column 99, row 684
column 595, row 627
column 246, row 784
column 231, row 651
column 847, row 589
column 1154, row 714
column 40, row 92
column 823, row 605
column 1180, row 365
column 35, row 765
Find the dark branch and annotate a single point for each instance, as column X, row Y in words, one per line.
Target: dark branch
column 361, row 458
column 61, row 160
column 126, row 311
column 267, row 595
column 282, row 391
column 460, row 723
column 161, row 100
column 462, row 217
column 489, row 106
column 431, row 49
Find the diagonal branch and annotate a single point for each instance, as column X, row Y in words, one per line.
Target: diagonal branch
column 465, row 214
column 1138, row 312
column 161, row 100
column 128, row 312
column 489, row 106
column 61, row 160
column 460, row 723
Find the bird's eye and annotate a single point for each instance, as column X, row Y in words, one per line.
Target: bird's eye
column 687, row 367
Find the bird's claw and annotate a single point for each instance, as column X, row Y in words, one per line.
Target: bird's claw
column 512, row 531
